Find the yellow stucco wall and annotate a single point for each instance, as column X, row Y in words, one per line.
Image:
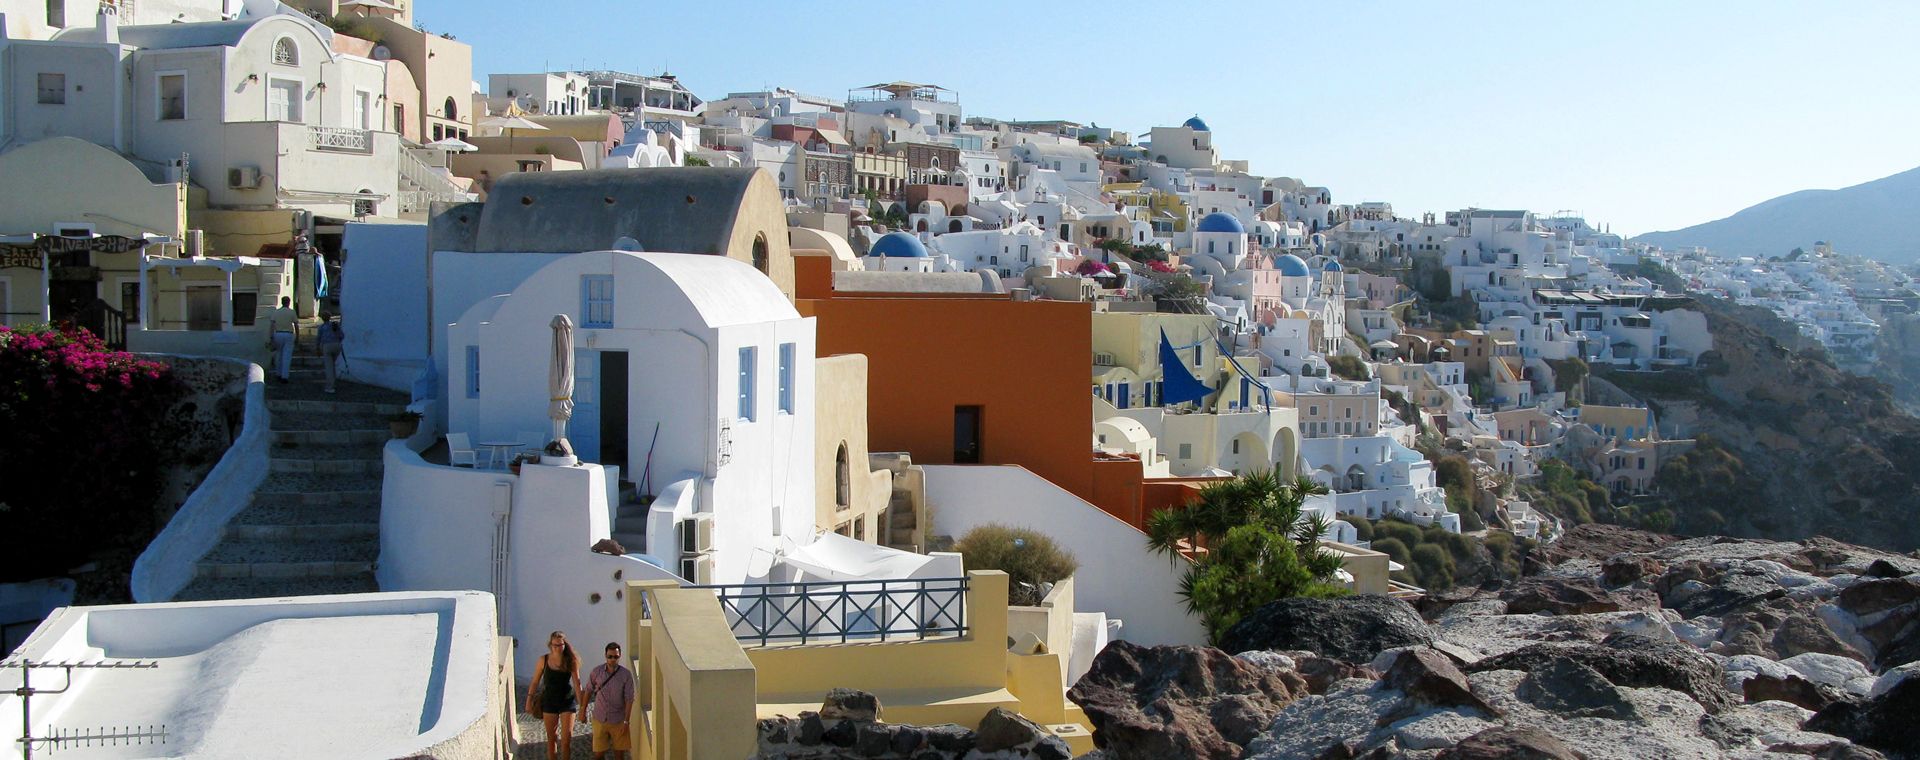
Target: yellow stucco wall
column 64, row 179
column 840, row 419
column 1133, row 338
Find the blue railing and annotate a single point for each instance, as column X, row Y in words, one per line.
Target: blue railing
column 844, row 611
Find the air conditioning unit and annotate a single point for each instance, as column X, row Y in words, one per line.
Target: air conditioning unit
column 696, row 534
column 697, row 568
column 243, row 177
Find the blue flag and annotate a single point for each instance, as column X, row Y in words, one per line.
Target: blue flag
column 1181, row 386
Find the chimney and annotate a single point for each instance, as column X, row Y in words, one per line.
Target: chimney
column 107, row 23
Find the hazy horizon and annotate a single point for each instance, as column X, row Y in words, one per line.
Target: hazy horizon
column 1639, row 115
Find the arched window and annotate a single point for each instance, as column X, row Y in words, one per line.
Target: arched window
column 286, row 52
column 451, row 111
column 842, row 479
column 760, row 254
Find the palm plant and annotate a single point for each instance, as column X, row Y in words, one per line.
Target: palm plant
column 1258, row 548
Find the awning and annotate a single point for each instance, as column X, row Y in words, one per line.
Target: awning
column 832, row 556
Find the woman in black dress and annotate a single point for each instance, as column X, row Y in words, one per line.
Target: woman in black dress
column 555, row 692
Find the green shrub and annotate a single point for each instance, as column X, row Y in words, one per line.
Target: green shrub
column 1349, row 368
column 1362, row 530
column 1394, row 548
column 1027, row 557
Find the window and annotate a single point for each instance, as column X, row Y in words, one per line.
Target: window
column 1186, row 451
column 449, row 111
column 842, row 479
column 749, row 357
column 245, row 307
column 473, row 371
column 596, row 300
column 286, row 52
column 1236, row 445
column 786, row 378
column 53, row 89
column 57, row 13
column 173, row 97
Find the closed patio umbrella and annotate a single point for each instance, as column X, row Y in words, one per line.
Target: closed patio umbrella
column 508, row 124
column 560, row 377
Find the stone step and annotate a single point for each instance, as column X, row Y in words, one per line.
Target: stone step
column 310, row 500
column 632, row 542
column 327, row 466
column 324, row 421
column 335, row 531
column 373, row 439
column 310, row 406
column 625, row 524
column 203, row 589
column 293, row 513
column 361, row 451
column 633, row 509
column 233, row 551
column 281, row 482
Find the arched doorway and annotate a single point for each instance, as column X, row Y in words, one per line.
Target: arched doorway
column 842, row 479
column 760, row 256
column 953, row 226
column 1286, row 455
column 1356, row 478
column 1246, row 453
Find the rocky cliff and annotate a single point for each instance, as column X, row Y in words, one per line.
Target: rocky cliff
column 1619, row 644
column 1816, row 451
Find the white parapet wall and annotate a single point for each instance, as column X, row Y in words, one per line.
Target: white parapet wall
column 167, row 565
column 525, row 538
column 1117, row 575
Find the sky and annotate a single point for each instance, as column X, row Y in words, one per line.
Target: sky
column 1642, row 115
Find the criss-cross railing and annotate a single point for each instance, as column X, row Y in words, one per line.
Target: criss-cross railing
column 844, row 611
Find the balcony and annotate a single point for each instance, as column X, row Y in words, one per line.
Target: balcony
column 840, row 612
column 340, row 139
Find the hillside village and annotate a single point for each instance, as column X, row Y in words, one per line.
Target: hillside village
column 744, row 381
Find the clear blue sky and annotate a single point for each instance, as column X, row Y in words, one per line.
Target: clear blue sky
column 1648, row 115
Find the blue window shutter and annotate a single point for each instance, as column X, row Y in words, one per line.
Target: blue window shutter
column 747, row 357
column 786, row 377
column 596, row 300
column 473, row 371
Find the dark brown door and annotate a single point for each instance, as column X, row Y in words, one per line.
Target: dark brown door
column 966, row 435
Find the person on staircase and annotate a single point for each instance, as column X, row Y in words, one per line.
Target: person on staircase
column 609, row 695
column 554, row 694
column 332, row 341
column 280, row 337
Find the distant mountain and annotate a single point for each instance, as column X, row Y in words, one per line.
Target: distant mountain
column 1872, row 219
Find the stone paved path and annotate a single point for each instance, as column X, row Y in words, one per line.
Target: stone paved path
column 314, row 525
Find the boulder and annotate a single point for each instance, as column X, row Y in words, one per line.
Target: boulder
column 1171, row 701
column 1888, row 568
column 850, row 704
column 1430, row 679
column 1559, row 596
column 1510, row 743
column 1003, row 730
column 1732, row 590
column 1622, row 569
column 1353, row 628
column 1630, row 660
column 1827, row 669
column 1869, row 597
column 1575, row 690
column 1793, row 689
column 1885, row 722
column 1803, row 632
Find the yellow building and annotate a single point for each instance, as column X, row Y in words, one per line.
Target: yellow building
column 850, row 497
column 104, row 245
column 702, row 690
column 1126, row 354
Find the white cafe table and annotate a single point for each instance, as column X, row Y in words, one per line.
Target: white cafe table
column 502, row 451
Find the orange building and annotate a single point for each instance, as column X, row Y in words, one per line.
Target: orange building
column 959, row 378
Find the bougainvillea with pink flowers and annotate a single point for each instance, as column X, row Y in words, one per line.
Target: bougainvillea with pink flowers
column 85, row 446
column 1089, row 268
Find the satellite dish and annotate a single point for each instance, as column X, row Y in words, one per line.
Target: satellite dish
column 381, row 53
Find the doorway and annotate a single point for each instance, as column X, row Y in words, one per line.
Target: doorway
column 613, row 410
column 966, row 435
column 203, row 308
column 68, row 299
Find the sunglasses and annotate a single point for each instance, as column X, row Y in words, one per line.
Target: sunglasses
column 613, row 654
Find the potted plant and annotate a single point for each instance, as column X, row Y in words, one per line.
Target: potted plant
column 521, row 458
column 404, row 424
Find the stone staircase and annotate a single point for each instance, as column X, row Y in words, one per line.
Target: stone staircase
column 630, row 520
column 314, row 525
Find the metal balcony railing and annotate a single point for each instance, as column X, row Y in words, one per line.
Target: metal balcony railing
column 844, row 611
column 341, row 139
